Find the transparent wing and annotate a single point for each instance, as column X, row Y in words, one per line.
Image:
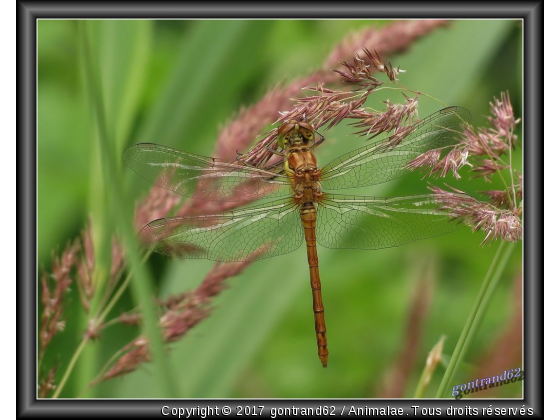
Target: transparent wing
column 202, row 177
column 373, row 223
column 247, row 234
column 375, row 163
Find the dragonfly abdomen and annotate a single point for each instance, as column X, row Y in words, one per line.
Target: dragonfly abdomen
column 308, row 214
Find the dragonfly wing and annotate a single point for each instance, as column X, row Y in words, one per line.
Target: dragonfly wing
column 202, row 177
column 246, row 234
column 373, row 223
column 375, row 163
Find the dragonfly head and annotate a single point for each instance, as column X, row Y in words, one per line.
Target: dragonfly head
column 295, row 133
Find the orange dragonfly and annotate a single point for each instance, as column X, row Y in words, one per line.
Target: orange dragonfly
column 308, row 210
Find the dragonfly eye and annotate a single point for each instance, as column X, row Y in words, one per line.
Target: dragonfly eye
column 307, row 134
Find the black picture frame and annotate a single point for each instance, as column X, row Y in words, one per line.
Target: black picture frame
column 531, row 12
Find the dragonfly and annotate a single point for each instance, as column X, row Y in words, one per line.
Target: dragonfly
column 300, row 206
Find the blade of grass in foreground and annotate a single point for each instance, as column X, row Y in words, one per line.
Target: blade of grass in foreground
column 141, row 286
column 122, row 49
column 477, row 314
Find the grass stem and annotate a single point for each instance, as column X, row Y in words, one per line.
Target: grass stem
column 477, row 313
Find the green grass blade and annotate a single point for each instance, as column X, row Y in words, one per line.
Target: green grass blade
column 141, row 286
column 477, row 314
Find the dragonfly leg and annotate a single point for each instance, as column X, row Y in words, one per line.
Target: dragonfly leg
column 275, row 165
column 318, row 142
column 273, row 151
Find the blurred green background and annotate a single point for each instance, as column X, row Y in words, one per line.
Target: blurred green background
column 176, row 83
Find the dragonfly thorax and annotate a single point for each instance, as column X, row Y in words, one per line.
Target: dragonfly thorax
column 301, row 161
column 302, row 167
